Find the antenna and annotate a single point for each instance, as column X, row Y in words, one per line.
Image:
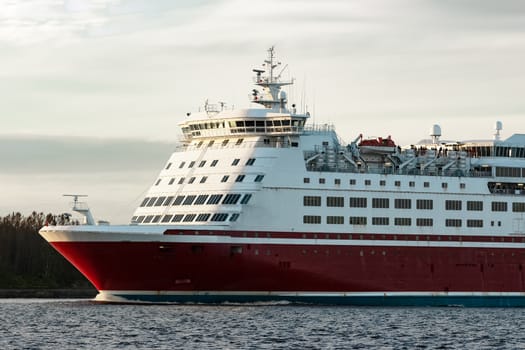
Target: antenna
column 75, row 196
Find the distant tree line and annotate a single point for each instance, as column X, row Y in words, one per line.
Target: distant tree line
column 28, row 261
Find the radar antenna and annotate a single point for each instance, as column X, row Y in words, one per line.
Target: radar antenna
column 81, row 208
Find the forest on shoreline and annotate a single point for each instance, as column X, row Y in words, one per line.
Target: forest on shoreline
column 27, row 261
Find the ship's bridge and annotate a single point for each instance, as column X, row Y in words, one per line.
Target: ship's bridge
column 250, row 121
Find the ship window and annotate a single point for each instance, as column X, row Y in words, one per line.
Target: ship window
column 397, row 183
column 156, row 219
column 424, row 222
column 425, row 204
column 402, row 203
column 380, row 221
column 239, row 141
column 191, row 180
column 382, row 183
column 159, row 201
column 462, row 185
column 368, row 182
column 246, row 198
column 203, row 217
column 499, row 206
column 335, row 220
column 453, row 205
column 357, row 220
column 311, row 219
column 225, row 178
column 295, row 144
column 225, row 142
column 235, row 161
column 148, row 219
column 475, row 205
column 234, row 217
column 335, row 201
column 200, row 143
column 352, row 181
column 181, row 165
column 139, row 219
column 518, row 207
column 167, row 218
column 151, row 201
column 172, row 180
column 192, row 163
column 134, row 219
column 312, row 201
column 214, row 163
column 202, row 163
column 239, row 178
column 189, row 217
column 168, row 201
column 259, row 178
column 250, row 161
column 444, row 185
column 219, row 217
column 144, row 202
column 189, row 200
column 412, row 184
column 181, row 181
column 203, row 179
column 231, row 198
column 168, row 166
column 474, row 223
column 214, row 199
column 322, row 181
column 337, row 181
column 380, row 203
column 178, row 200
column 453, row 222
column 158, row 182
column 211, row 143
column 358, row 202
column 201, row 199
column 306, row 180
column 426, row 184
column 177, row 218
column 402, row 221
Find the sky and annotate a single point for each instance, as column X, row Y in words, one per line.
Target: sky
column 92, row 92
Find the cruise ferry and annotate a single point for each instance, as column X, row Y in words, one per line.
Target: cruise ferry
column 259, row 205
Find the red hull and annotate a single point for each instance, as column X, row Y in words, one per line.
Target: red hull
column 162, row 266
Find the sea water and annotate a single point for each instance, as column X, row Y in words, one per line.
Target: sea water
column 83, row 324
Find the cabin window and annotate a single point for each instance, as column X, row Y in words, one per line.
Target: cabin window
column 518, row 207
column 259, row 178
column 402, row 203
column 380, row 203
column 358, row 202
column 219, row 217
column 168, row 166
column 144, row 202
column 475, row 205
column 240, row 178
column 235, row 161
column 322, row 181
column 201, row 199
column 311, row 219
column 203, row 217
column 231, row 198
column 148, row 219
column 178, row 200
column 381, row 221
column 357, row 220
column 352, row 181
column 337, row 181
column 189, row 200
column 425, row 204
column 239, row 141
column 181, row 165
column 402, row 221
column 214, row 199
column 246, row 198
column 234, row 217
column 412, row 184
column 201, row 164
column 397, row 183
column 167, row 218
column 158, row 182
column 499, row 206
column 335, row 201
column 306, row 180
column 192, row 163
column 203, row 179
column 453, row 222
column 426, row 184
column 189, row 217
column 156, row 219
column 474, row 223
column 159, row 201
column 225, row 178
column 462, row 186
column 452, row 205
column 368, row 182
column 172, row 180
column 444, row 185
column 177, row 218
column 168, row 201
column 335, row 220
column 191, row 180
column 225, row 142
column 382, row 183
column 250, row 161
column 312, row 201
column 181, row 180
column 151, row 201
column 424, row 222
column 214, row 163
